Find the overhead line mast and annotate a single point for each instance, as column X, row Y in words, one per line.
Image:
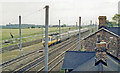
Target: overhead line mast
column 46, row 36
column 79, row 33
column 20, row 46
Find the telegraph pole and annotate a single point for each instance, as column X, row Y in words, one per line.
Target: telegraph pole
column 79, row 32
column 20, row 47
column 59, row 30
column 76, row 25
column 46, row 37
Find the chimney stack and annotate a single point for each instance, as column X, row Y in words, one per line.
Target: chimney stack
column 101, row 44
column 101, row 53
column 102, row 21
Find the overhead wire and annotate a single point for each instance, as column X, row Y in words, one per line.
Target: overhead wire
column 25, row 16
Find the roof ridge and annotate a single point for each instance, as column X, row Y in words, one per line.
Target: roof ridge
column 100, row 30
column 116, row 58
column 100, row 61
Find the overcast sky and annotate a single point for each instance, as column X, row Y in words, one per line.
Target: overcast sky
column 68, row 11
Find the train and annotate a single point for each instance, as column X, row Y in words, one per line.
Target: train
column 51, row 40
column 54, row 38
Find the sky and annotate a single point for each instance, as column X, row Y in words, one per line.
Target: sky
column 68, row 11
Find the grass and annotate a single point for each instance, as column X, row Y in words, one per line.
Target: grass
column 6, row 56
column 27, row 33
column 15, row 32
column 61, row 71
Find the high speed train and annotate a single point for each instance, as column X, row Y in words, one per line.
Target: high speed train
column 52, row 39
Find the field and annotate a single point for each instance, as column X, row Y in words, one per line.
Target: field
column 28, row 34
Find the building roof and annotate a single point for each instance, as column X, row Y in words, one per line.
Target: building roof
column 85, row 61
column 73, row 59
column 112, row 65
column 107, row 29
column 115, row 30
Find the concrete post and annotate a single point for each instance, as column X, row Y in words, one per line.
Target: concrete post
column 20, row 47
column 79, row 32
column 46, row 37
column 59, row 30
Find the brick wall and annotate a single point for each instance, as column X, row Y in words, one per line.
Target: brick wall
column 102, row 21
column 90, row 42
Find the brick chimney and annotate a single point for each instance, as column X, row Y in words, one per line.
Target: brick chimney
column 101, row 53
column 102, row 21
column 101, row 44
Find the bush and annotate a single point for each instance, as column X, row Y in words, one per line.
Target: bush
column 92, row 30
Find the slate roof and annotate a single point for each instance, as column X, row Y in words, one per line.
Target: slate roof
column 73, row 59
column 115, row 30
column 107, row 29
column 112, row 65
column 85, row 61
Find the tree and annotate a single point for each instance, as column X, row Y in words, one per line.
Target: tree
column 33, row 27
column 111, row 24
column 64, row 25
column 117, row 18
column 92, row 30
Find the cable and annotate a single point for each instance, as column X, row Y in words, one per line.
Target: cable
column 25, row 16
column 31, row 13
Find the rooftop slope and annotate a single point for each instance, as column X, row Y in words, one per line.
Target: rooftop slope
column 85, row 61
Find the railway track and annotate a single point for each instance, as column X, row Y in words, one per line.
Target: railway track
column 33, row 64
column 20, row 57
column 30, row 66
column 52, row 64
column 56, row 66
column 59, row 59
column 26, row 57
column 52, row 58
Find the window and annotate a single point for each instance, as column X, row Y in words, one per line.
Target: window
column 49, row 39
